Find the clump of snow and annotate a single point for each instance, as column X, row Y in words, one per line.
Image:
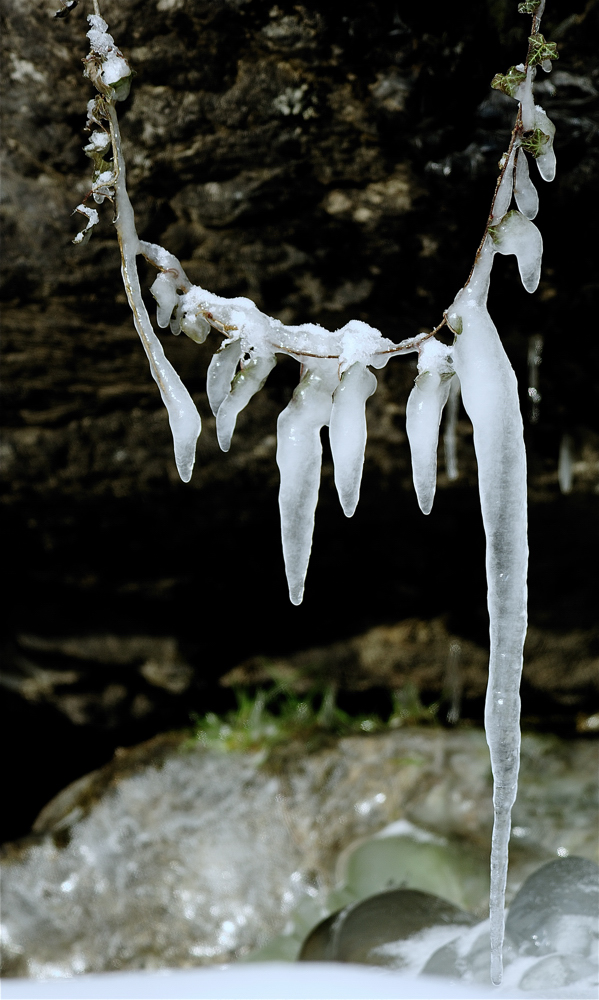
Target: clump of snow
column 115, row 68
column 99, row 142
column 92, row 220
column 359, row 342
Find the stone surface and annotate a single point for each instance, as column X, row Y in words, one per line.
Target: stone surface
column 180, row 856
column 551, row 935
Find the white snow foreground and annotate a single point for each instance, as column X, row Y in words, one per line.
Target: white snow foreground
column 259, row 981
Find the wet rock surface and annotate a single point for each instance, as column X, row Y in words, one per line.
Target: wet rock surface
column 179, row 856
column 364, row 932
column 551, row 935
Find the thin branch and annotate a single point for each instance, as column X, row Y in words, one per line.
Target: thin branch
column 516, row 133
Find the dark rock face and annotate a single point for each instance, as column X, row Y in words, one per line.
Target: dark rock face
column 330, row 166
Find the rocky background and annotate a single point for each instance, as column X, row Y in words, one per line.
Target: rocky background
column 329, row 165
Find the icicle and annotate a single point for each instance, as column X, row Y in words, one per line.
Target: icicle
column 564, row 467
column 175, row 321
column 221, row 371
column 516, row 234
column 546, row 156
column 299, row 456
column 535, row 354
column 246, row 384
column 347, row 433
column 527, row 198
column 525, row 96
column 164, row 290
column 449, row 436
column 490, row 396
column 504, row 194
column 454, row 682
column 183, row 417
column 423, row 417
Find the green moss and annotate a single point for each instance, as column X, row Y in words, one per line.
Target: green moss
column 274, row 717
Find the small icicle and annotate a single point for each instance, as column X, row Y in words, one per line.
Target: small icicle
column 546, row 156
column 423, row 417
column 564, row 467
column 490, row 396
column 504, row 194
column 535, row 356
column 527, row 198
column 164, row 290
column 525, row 96
column 518, row 235
column 449, row 436
column 221, row 371
column 246, row 384
column 347, row 432
column 299, row 457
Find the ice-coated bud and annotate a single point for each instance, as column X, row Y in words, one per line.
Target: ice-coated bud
column 165, row 292
column 195, row 327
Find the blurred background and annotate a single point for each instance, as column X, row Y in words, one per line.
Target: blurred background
column 330, row 166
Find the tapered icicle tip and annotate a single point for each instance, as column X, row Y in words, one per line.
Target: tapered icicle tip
column 296, row 593
column 347, row 433
column 184, row 439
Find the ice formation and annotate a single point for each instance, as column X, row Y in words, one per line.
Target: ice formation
column 490, row 396
column 347, row 431
column 449, row 434
column 527, row 198
column 518, row 235
column 336, row 379
column 423, row 417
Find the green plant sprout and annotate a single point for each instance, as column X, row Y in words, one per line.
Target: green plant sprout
column 275, row 717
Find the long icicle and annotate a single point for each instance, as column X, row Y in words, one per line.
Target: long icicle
column 183, row 416
column 490, row 396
